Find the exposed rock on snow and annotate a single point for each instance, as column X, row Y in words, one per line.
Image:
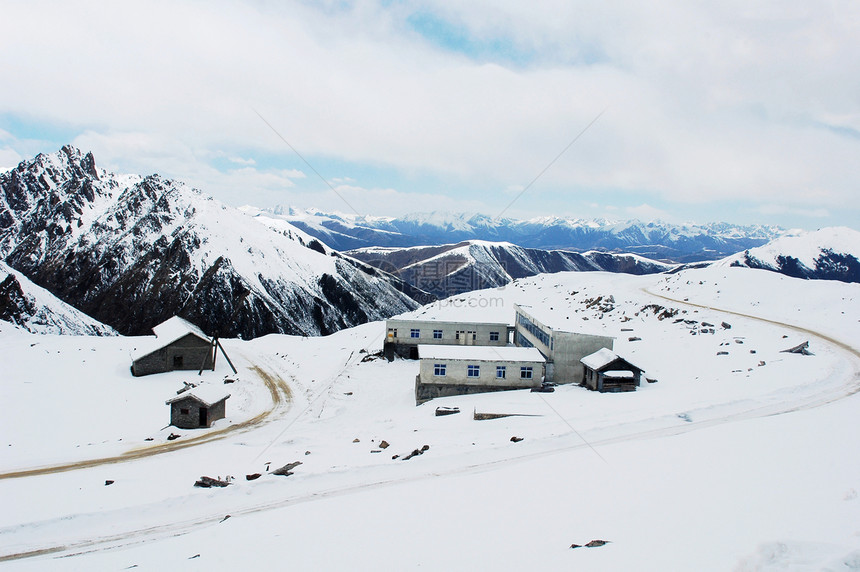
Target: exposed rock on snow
column 826, row 254
column 453, row 269
column 133, row 251
column 40, row 312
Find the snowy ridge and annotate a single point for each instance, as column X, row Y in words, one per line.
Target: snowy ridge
column 452, row 269
column 828, row 254
column 133, row 251
column 36, row 310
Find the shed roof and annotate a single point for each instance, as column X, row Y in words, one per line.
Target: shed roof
column 480, row 353
column 602, row 358
column 174, row 328
column 208, row 395
column 166, row 333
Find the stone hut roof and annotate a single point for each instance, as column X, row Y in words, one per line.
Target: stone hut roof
column 208, row 395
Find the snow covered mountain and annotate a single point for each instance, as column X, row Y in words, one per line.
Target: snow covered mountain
column 826, row 254
column 656, row 240
column 452, row 269
column 132, row 251
column 38, row 311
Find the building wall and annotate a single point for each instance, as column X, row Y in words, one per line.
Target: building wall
column 427, row 391
column 191, row 419
column 398, row 339
column 192, row 350
column 569, row 348
column 563, row 350
column 456, row 373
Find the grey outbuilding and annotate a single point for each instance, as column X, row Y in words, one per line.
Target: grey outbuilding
column 605, row 371
column 198, row 407
column 178, row 345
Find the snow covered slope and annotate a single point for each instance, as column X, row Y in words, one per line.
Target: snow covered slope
column 132, row 251
column 739, row 457
column 656, row 240
column 38, row 311
column 475, row 264
column 826, row 254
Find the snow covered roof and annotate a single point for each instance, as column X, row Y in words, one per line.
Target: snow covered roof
column 563, row 321
column 602, row 358
column 174, row 328
column 208, row 395
column 480, row 353
column 166, row 333
column 435, row 322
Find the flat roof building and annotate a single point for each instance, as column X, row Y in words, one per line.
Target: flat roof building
column 458, row 370
column 403, row 336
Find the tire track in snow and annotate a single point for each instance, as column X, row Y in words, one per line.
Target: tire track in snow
column 281, row 397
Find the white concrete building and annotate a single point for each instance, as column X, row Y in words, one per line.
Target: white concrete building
column 403, row 336
column 459, row 370
column 562, row 349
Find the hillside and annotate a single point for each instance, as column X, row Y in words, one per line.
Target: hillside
column 38, row 311
column 826, row 254
column 452, row 269
column 131, row 251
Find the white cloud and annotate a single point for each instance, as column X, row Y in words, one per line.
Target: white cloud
column 733, row 101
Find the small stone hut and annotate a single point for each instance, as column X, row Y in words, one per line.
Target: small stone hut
column 198, row 407
column 605, row 371
column 179, row 345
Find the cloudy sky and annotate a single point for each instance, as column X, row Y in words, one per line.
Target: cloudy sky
column 739, row 110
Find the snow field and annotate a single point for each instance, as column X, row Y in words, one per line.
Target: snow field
column 721, row 464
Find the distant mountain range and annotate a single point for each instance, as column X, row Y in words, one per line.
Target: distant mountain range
column 452, row 269
column 132, row 251
column 655, row 240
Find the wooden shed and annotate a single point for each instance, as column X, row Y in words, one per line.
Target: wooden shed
column 178, row 345
column 605, row 371
column 198, row 407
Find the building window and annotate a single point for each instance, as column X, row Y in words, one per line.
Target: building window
column 474, row 336
column 474, row 371
column 183, row 411
column 439, row 369
column 457, row 335
column 526, row 372
column 177, row 361
column 523, row 342
column 494, row 336
column 414, row 333
column 437, row 334
column 395, row 332
column 500, row 372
